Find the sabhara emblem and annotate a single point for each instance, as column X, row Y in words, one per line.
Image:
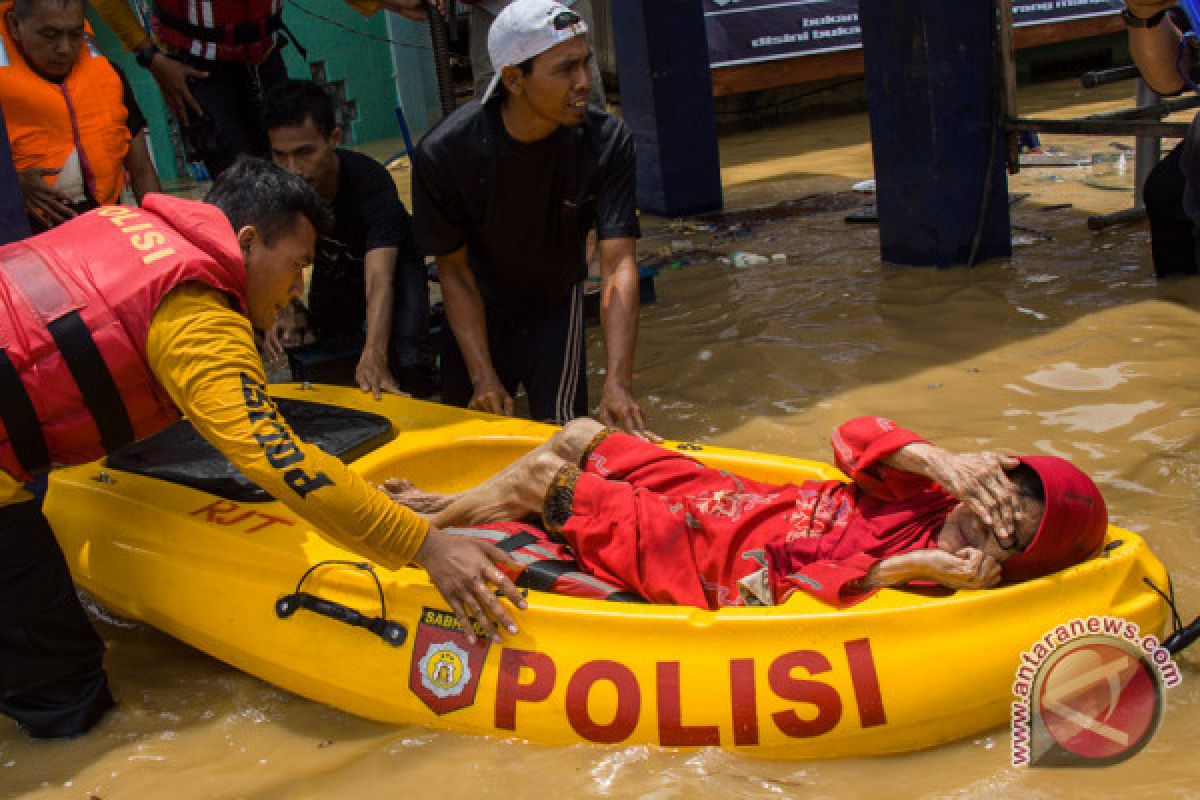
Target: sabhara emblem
column 444, row 669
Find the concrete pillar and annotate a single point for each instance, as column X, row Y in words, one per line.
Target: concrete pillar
column 666, row 99
column 933, row 96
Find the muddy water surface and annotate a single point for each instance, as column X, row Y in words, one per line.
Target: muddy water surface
column 1070, row 348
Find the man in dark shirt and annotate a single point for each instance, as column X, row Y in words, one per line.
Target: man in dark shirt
column 369, row 295
column 505, row 191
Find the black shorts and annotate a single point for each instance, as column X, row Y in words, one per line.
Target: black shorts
column 1172, row 233
column 546, row 354
column 51, row 679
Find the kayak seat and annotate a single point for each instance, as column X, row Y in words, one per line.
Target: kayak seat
column 179, row 455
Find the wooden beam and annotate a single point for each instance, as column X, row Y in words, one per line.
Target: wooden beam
column 844, row 63
column 786, row 72
column 1055, row 32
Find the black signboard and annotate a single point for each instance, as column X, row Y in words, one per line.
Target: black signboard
column 746, row 31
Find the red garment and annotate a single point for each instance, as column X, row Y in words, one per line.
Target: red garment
column 105, row 272
column 675, row 531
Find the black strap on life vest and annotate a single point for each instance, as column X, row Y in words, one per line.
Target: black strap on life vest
column 242, row 33
column 95, row 382
column 21, row 420
column 517, row 541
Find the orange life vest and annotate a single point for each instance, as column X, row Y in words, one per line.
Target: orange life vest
column 47, row 120
column 219, row 30
column 75, row 309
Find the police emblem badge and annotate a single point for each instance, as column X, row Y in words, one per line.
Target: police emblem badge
column 445, row 667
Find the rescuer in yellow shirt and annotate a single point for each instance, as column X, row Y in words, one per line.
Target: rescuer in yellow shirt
column 115, row 322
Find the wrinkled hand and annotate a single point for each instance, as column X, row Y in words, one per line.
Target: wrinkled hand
column 969, row 568
column 42, row 201
column 978, row 481
column 619, row 409
column 1148, row 8
column 172, row 77
column 373, row 375
column 417, row 10
column 492, row 397
column 462, row 569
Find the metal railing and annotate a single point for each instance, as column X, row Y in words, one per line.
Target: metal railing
column 1144, row 120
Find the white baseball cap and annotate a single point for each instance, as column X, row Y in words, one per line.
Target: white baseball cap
column 528, row 28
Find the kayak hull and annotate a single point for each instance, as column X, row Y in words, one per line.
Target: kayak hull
column 901, row 671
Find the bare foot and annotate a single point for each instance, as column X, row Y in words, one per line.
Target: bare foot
column 511, row 494
column 406, row 493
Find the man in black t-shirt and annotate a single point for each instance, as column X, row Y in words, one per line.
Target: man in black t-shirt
column 505, row 191
column 369, row 299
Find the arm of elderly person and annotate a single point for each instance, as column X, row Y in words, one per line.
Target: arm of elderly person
column 969, row 568
column 894, row 463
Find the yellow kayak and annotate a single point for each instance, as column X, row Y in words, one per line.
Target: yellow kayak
column 202, row 556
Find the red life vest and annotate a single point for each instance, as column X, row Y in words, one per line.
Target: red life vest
column 75, row 309
column 544, row 564
column 219, row 30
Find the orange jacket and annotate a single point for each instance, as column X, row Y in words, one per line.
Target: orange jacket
column 46, row 120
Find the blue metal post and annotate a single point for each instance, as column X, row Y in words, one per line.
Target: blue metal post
column 666, row 99
column 936, row 130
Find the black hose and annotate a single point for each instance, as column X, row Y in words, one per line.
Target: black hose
column 1183, row 638
column 440, row 36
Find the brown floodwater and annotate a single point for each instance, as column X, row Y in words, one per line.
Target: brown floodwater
column 1070, row 348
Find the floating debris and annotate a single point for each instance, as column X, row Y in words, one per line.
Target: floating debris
column 865, row 216
column 742, row 260
column 866, row 187
column 1040, row 236
column 1039, row 316
column 1054, row 160
column 808, row 204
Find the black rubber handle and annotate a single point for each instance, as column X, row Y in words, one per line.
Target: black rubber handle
column 1099, row 77
column 391, row 632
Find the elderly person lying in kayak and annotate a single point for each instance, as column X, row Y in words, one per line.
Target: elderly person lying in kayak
column 656, row 522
